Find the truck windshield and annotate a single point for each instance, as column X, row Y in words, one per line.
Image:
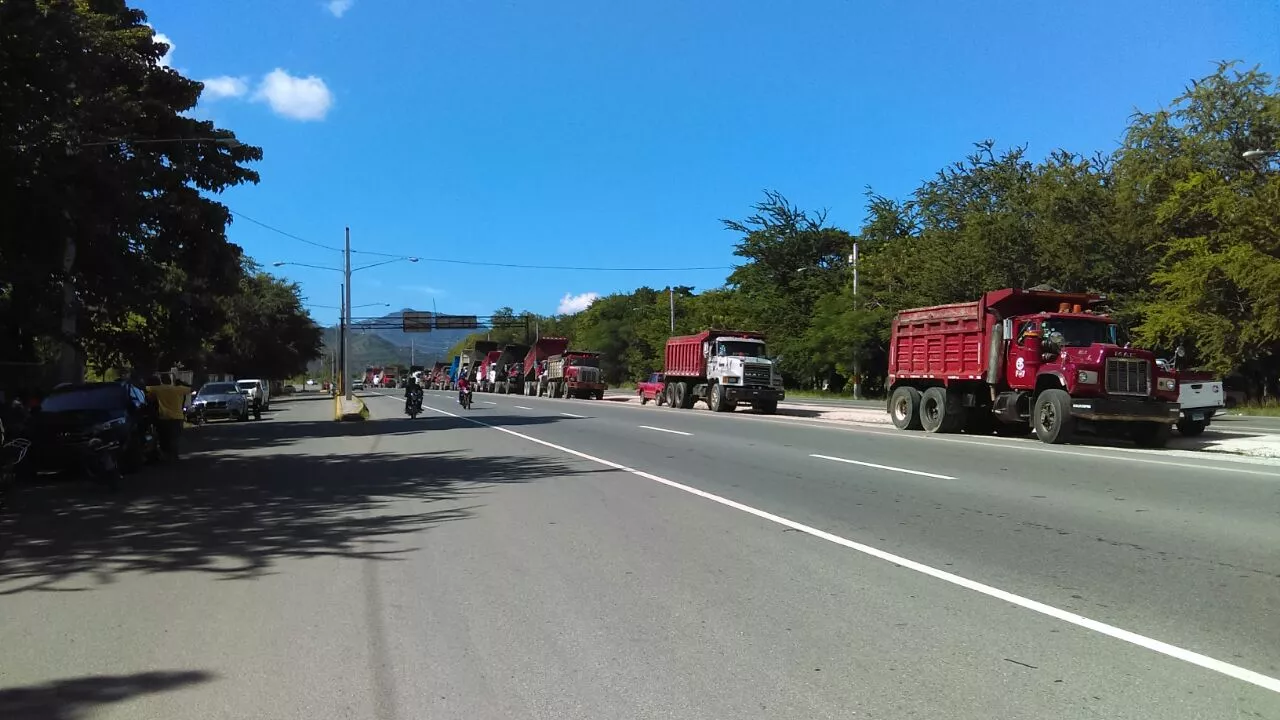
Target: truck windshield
column 740, row 348
column 583, row 362
column 1078, row 332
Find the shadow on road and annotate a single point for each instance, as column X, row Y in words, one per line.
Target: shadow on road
column 80, row 698
column 235, row 513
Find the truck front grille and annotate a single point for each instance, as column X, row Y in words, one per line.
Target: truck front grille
column 588, row 375
column 757, row 375
column 1128, row 376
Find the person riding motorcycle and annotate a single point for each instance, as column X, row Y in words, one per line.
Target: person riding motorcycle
column 412, row 391
column 464, row 388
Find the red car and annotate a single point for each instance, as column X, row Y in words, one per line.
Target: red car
column 651, row 389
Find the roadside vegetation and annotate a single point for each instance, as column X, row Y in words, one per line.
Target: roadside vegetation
column 1175, row 225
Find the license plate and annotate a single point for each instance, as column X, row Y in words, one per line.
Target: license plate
column 1197, row 416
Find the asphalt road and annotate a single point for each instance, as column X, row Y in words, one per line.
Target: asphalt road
column 535, row 558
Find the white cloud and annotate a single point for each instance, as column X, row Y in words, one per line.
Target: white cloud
column 298, row 98
column 339, row 7
column 571, row 304
column 224, row 86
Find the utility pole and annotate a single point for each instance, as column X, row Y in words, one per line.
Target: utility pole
column 857, row 353
column 340, row 352
column 410, row 352
column 671, row 297
column 346, row 351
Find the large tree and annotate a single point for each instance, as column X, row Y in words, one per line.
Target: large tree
column 111, row 242
column 1211, row 218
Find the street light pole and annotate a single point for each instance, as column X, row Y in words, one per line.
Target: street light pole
column 346, row 354
column 340, row 353
column 857, row 354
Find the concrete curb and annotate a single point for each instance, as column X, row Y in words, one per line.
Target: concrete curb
column 354, row 409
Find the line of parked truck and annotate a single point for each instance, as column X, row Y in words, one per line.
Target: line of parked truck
column 1008, row 363
column 722, row 368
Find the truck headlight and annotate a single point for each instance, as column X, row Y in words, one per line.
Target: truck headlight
column 1167, row 384
column 1087, row 377
column 729, row 379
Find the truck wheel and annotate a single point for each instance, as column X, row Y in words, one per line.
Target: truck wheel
column 766, row 407
column 643, row 400
column 679, row 391
column 716, row 400
column 1152, row 435
column 1192, row 428
column 690, row 397
column 669, row 395
column 1052, row 417
column 938, row 413
column 904, row 408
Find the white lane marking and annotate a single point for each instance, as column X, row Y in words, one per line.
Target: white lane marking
column 1095, row 452
column 883, row 467
column 572, row 415
column 522, row 407
column 490, row 402
column 1164, row 648
column 673, row 432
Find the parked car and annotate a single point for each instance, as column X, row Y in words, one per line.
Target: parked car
column 259, row 390
column 221, row 400
column 651, row 389
column 78, row 424
column 357, row 385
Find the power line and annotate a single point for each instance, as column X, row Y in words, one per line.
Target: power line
column 481, row 263
column 291, row 236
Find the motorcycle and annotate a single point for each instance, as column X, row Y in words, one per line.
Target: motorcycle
column 464, row 399
column 413, row 406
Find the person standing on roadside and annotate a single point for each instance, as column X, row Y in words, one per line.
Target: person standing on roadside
column 170, row 403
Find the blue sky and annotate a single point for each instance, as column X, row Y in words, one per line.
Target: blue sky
column 612, row 133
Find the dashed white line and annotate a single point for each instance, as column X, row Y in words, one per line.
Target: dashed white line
column 572, row 415
column 883, row 467
column 673, row 432
column 488, row 402
column 1189, row 656
column 522, row 407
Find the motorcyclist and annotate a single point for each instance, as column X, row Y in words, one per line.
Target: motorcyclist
column 412, row 391
column 464, row 388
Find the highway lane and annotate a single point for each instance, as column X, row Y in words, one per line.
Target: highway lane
column 434, row 568
column 1179, row 548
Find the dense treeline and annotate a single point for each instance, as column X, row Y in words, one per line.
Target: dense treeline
column 1176, row 225
column 109, row 240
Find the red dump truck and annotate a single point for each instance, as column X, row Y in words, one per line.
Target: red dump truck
column 575, row 374
column 486, row 379
column 722, row 368
column 1015, row 360
column 509, row 370
column 532, row 368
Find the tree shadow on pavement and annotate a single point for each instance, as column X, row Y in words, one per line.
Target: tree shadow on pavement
column 235, row 514
column 80, row 698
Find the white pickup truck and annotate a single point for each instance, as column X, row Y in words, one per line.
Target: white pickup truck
column 1200, row 397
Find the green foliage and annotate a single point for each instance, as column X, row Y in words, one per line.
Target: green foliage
column 1212, row 218
column 106, row 186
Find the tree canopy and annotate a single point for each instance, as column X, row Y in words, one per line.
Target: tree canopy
column 111, row 238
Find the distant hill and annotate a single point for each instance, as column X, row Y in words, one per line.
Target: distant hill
column 425, row 344
column 373, row 343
